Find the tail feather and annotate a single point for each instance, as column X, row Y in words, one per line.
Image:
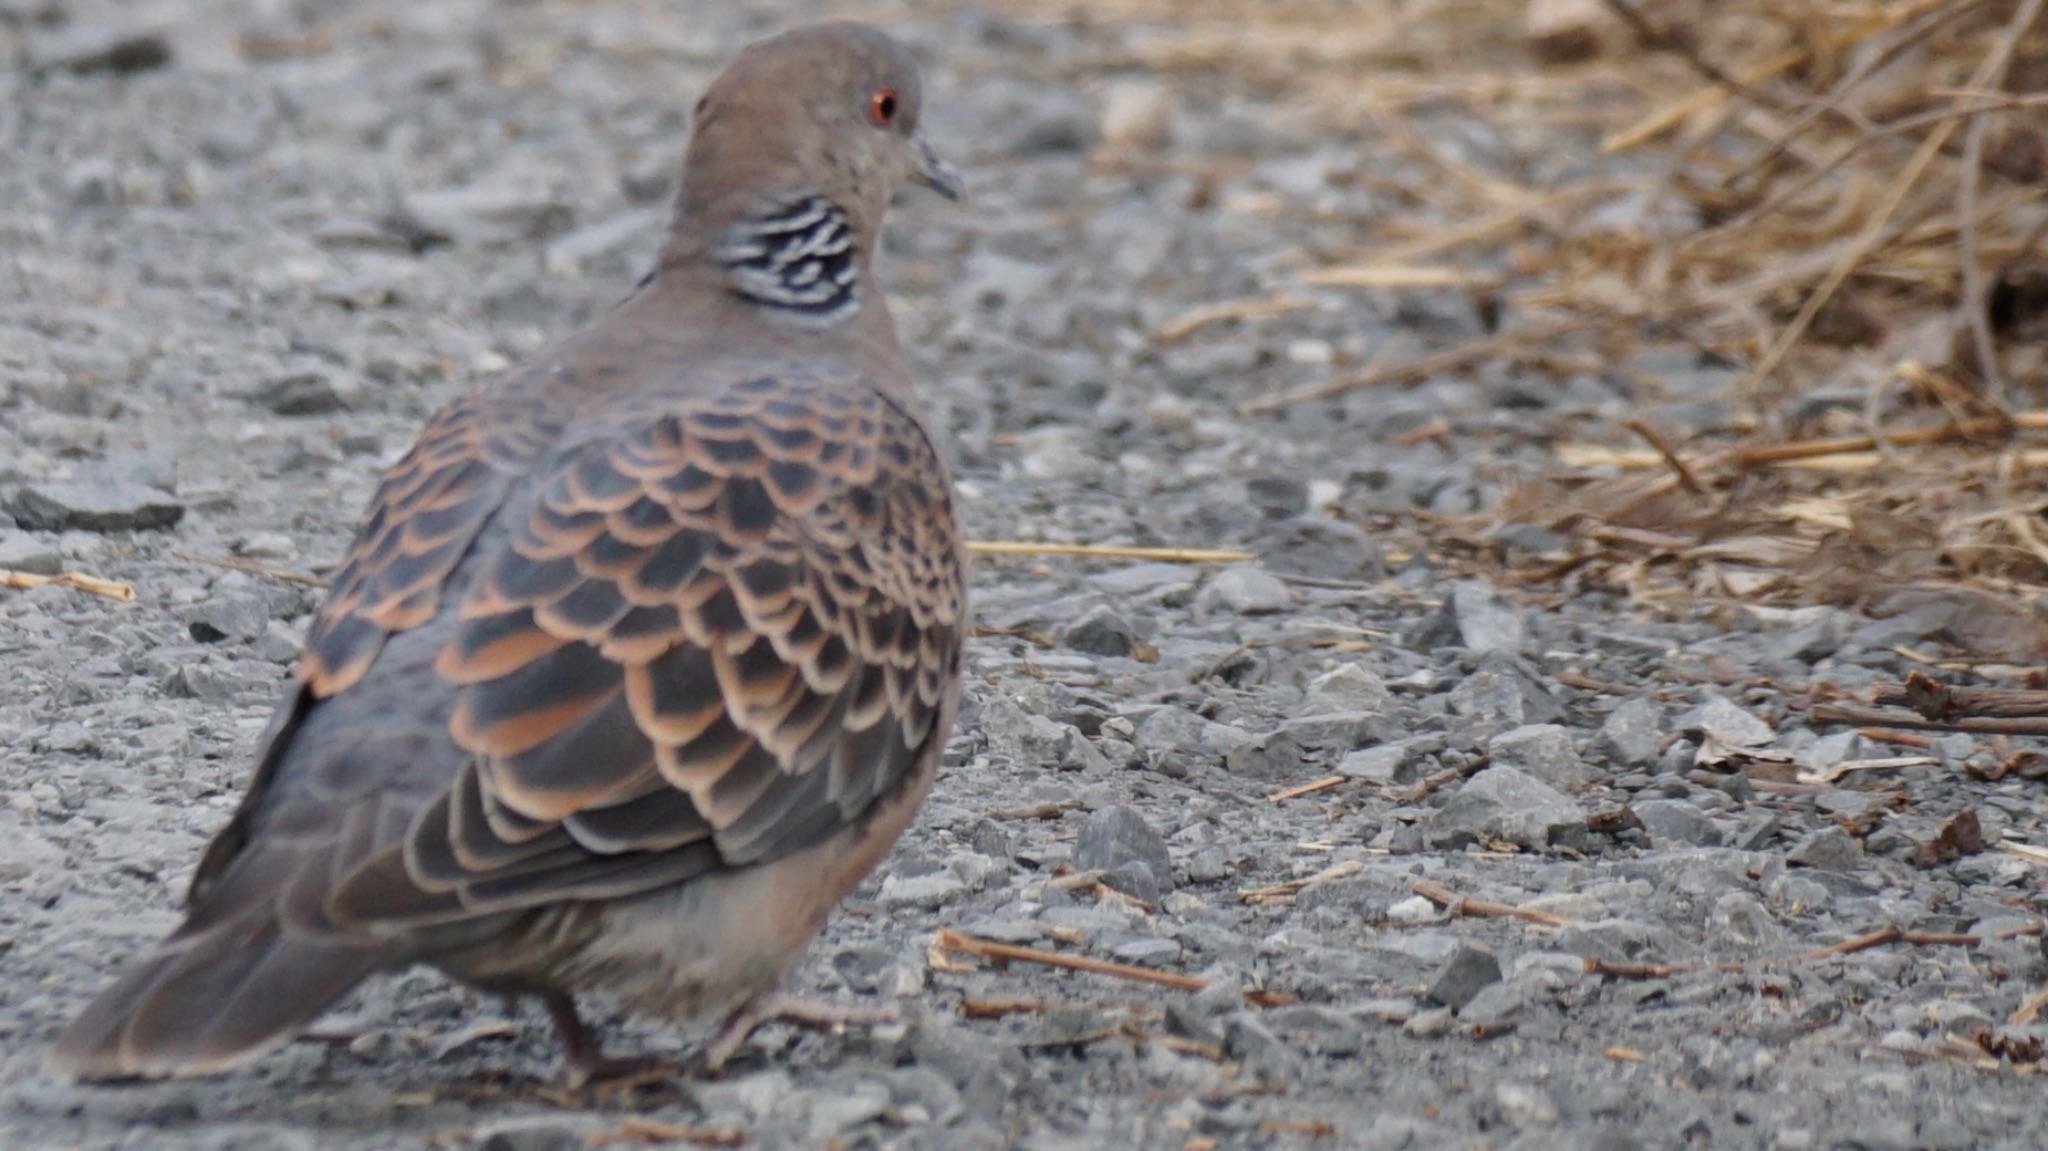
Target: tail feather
column 210, row 1001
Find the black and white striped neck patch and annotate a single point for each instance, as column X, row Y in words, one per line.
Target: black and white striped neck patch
column 798, row 257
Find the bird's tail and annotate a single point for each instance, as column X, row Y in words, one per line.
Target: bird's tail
column 210, row 999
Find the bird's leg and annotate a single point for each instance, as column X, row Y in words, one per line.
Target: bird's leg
column 772, row 1006
column 583, row 1051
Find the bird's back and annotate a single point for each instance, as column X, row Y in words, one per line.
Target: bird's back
column 624, row 639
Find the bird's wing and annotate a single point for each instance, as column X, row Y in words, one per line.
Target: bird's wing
column 710, row 635
column 424, row 518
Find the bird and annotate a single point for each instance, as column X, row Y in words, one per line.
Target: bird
column 641, row 658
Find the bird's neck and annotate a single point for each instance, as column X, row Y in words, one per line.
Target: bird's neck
column 798, row 256
column 792, row 269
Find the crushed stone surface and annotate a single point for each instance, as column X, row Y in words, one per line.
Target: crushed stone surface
column 244, row 255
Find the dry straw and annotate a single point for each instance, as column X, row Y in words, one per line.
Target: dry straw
column 1841, row 202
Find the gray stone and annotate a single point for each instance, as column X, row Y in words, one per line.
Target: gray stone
column 1334, row 731
column 240, row 616
column 1506, row 804
column 1076, row 752
column 1474, row 617
column 538, row 1134
column 1276, row 495
column 1170, row 730
column 1500, row 695
column 924, row 1096
column 989, row 838
column 1543, row 750
column 505, row 212
column 110, row 505
column 1739, row 923
column 1137, row 114
column 1114, row 836
column 1494, row 1007
column 1144, row 583
column 1247, row 1038
column 1320, row 1030
column 1547, row 970
column 22, row 552
column 835, row 1112
column 1828, row 849
column 1525, row 1105
column 1246, row 590
column 1727, row 723
column 1023, row 734
column 1461, row 977
column 1144, row 950
column 1387, row 763
column 1615, row 940
column 1809, row 634
column 307, row 392
column 1796, row 894
column 1274, row 756
column 1830, row 749
column 1430, row 1024
column 1101, row 631
column 1349, row 687
column 1632, row 733
column 1058, row 122
column 93, row 46
column 613, row 238
column 23, row 853
column 1676, row 821
column 1135, row 879
column 931, row 889
column 1322, row 548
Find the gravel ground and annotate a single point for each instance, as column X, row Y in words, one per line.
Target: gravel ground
column 243, row 256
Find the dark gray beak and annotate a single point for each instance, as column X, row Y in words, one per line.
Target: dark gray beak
column 935, row 173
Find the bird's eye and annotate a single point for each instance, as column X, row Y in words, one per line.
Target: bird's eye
column 882, row 109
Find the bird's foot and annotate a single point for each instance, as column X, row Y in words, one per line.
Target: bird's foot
column 587, row 1064
column 780, row 1006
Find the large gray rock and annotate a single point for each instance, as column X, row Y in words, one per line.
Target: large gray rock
column 1101, row 631
column 1543, row 750
column 22, row 552
column 1502, row 694
column 1674, row 821
column 1246, row 590
column 1632, row 733
column 1469, row 969
column 1475, row 617
column 1727, row 723
column 1116, row 836
column 111, row 505
column 1349, row 687
column 1506, row 804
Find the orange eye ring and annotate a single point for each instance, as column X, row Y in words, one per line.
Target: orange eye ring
column 882, row 109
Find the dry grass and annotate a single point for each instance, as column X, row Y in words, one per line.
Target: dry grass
column 1843, row 201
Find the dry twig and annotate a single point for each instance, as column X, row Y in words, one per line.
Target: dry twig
column 111, row 589
column 1323, row 784
column 950, row 940
column 1458, row 904
column 1936, row 706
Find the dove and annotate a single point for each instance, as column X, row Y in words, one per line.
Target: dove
column 643, row 655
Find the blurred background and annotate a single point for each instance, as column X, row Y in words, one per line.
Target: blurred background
column 1705, row 302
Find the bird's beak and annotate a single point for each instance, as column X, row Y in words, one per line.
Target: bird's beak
column 935, row 173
